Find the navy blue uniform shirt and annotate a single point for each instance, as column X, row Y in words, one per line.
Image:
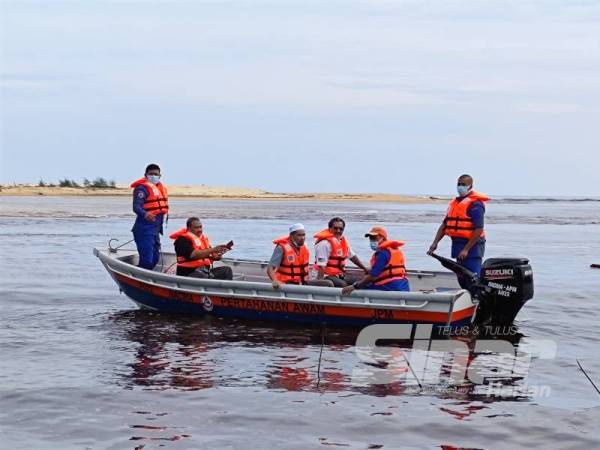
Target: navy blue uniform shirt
column 142, row 225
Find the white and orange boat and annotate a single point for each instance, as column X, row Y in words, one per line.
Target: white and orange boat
column 435, row 297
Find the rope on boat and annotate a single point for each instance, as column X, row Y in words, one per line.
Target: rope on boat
column 169, row 269
column 323, row 332
column 587, row 376
column 114, row 249
column 412, row 371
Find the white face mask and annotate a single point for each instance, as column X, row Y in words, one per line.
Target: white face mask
column 374, row 245
column 463, row 190
column 154, row 179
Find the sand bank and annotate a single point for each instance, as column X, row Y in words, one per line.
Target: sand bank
column 213, row 192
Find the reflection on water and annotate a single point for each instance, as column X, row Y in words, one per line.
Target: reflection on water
column 181, row 353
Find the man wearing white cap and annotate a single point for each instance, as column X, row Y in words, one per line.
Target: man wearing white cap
column 290, row 260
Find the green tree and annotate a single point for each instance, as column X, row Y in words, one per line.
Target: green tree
column 99, row 182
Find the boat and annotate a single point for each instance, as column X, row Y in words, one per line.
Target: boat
column 435, row 297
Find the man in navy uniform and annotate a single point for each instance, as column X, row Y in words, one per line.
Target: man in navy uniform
column 464, row 224
column 151, row 205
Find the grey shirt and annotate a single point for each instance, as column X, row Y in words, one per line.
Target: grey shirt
column 276, row 257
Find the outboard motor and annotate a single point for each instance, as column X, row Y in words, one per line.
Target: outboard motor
column 502, row 290
column 504, row 287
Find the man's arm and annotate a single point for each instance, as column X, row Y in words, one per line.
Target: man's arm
column 219, row 250
column 274, row 264
column 184, row 248
column 322, row 252
column 438, row 237
column 139, row 198
column 470, row 244
column 476, row 212
column 356, row 260
column 382, row 260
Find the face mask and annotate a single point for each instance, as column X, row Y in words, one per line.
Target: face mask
column 463, row 190
column 154, row 179
column 374, row 245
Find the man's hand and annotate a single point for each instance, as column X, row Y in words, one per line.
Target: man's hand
column 463, row 255
column 150, row 217
column 276, row 284
column 348, row 289
column 432, row 248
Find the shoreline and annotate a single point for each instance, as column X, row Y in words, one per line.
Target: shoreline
column 215, row 193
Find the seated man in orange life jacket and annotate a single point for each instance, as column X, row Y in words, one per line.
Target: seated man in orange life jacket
column 388, row 272
column 290, row 260
column 332, row 251
column 195, row 254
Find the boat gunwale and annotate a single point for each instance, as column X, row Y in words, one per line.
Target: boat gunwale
column 203, row 286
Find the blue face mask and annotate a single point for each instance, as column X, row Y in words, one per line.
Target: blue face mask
column 463, row 190
column 154, row 179
column 374, row 245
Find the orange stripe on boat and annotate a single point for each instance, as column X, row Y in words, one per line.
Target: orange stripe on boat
column 280, row 306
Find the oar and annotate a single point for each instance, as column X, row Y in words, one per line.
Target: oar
column 595, row 266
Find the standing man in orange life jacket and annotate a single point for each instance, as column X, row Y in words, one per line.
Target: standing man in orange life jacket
column 331, row 253
column 464, row 223
column 388, row 271
column 195, row 255
column 151, row 205
column 290, row 260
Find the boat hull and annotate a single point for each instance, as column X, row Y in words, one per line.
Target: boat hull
column 163, row 299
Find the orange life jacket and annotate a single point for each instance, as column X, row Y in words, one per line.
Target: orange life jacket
column 336, row 264
column 157, row 201
column 198, row 243
column 458, row 222
column 395, row 269
column 294, row 264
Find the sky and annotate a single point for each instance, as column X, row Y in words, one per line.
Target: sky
column 305, row 95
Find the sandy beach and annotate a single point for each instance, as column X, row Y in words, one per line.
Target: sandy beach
column 215, row 192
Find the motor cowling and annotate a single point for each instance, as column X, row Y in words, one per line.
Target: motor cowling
column 507, row 284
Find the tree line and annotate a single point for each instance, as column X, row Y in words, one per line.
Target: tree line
column 98, row 182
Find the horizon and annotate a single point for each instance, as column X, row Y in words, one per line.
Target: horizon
column 125, row 185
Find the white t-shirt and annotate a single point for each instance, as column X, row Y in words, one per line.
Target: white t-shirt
column 323, row 250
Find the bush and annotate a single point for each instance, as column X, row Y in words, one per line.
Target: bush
column 68, row 183
column 100, row 182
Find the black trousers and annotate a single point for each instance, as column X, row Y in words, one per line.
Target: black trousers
column 218, row 273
